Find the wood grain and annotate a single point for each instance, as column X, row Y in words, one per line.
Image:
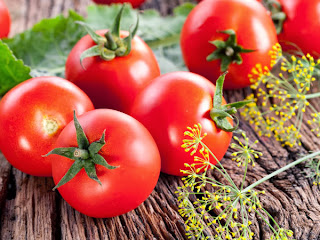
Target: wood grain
column 31, row 210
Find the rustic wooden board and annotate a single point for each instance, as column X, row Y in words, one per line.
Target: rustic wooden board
column 31, row 210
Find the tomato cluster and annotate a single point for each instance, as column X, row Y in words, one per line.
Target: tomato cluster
column 49, row 127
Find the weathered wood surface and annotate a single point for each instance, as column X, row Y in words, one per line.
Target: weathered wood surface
column 30, row 210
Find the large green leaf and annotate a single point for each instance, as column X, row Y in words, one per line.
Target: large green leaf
column 45, row 46
column 12, row 70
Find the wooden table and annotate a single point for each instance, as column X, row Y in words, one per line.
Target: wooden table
column 31, row 210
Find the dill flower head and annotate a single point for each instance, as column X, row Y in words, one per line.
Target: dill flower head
column 244, row 154
column 215, row 209
column 282, row 234
column 192, row 143
column 282, row 97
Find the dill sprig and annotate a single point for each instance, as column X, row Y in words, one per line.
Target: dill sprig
column 282, row 97
column 314, row 165
column 217, row 210
column 245, row 153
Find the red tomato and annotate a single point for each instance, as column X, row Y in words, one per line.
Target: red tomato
column 129, row 146
column 301, row 25
column 112, row 84
column 5, row 20
column 170, row 104
column 134, row 3
column 254, row 30
column 32, row 115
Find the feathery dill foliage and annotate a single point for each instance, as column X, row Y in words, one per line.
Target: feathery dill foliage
column 314, row 165
column 212, row 209
column 282, row 97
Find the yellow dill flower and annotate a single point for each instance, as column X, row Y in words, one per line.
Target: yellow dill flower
column 245, row 154
column 195, row 138
column 289, row 92
column 223, row 198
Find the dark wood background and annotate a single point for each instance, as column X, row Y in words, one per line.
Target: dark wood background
column 31, row 210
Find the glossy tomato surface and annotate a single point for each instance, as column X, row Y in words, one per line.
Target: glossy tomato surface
column 134, row 3
column 5, row 20
column 170, row 104
column 129, row 146
column 32, row 115
column 112, row 84
column 301, row 26
column 254, row 31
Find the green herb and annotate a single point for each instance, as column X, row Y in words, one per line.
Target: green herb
column 12, row 70
column 45, row 47
column 219, row 210
column 283, row 97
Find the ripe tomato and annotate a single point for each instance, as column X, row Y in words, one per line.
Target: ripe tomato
column 300, row 26
column 134, row 3
column 112, row 84
column 208, row 26
column 128, row 145
column 170, row 104
column 32, row 115
column 5, row 20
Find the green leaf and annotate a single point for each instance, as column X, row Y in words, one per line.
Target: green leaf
column 169, row 59
column 45, row 46
column 65, row 152
column 90, row 169
column 12, row 70
column 98, row 159
column 218, row 95
column 239, row 104
column 71, row 173
column 96, row 146
column 94, row 36
column 82, row 139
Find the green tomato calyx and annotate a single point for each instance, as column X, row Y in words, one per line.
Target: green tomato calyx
column 277, row 15
column 220, row 113
column 227, row 51
column 85, row 156
column 111, row 45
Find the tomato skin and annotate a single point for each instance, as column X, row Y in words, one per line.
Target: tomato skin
column 112, row 84
column 129, row 145
column 5, row 20
column 23, row 113
column 170, row 104
column 254, row 30
column 134, row 3
column 301, row 25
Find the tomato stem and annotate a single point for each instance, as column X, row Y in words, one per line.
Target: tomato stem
column 85, row 156
column 227, row 51
column 110, row 45
column 81, row 153
column 277, row 15
column 219, row 113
